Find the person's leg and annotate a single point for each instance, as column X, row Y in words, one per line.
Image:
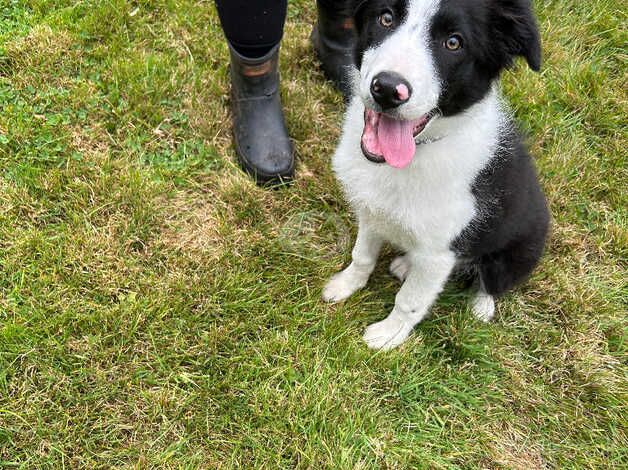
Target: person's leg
column 333, row 39
column 253, row 29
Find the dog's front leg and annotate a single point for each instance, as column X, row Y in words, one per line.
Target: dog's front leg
column 426, row 278
column 355, row 276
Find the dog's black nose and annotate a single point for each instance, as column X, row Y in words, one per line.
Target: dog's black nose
column 389, row 90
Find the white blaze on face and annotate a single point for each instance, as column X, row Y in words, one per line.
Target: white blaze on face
column 407, row 52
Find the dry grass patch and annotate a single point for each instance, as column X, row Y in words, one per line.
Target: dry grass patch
column 514, row 449
column 191, row 224
column 44, row 56
column 217, row 214
column 587, row 352
column 91, row 141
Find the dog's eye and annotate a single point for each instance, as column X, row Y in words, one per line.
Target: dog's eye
column 453, row 42
column 386, row 19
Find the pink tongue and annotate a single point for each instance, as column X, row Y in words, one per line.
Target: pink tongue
column 396, row 141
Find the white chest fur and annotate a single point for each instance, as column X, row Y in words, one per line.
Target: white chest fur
column 427, row 204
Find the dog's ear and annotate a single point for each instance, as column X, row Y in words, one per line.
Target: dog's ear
column 515, row 29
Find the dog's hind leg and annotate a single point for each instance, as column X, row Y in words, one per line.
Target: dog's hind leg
column 482, row 303
column 355, row 276
column 483, row 306
column 400, row 266
column 503, row 270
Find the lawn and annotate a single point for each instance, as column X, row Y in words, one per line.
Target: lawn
column 158, row 310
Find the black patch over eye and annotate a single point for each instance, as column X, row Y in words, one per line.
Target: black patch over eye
column 453, row 42
column 386, row 19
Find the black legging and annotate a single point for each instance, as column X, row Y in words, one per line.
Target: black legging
column 254, row 27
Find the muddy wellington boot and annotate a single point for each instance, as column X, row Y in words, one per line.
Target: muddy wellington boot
column 333, row 39
column 261, row 140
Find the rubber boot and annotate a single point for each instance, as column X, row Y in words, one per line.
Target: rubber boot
column 262, row 143
column 333, row 38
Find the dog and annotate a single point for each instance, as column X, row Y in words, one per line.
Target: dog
column 430, row 159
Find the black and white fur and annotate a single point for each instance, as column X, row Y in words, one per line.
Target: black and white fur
column 470, row 197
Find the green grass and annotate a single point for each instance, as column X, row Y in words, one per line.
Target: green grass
column 159, row 310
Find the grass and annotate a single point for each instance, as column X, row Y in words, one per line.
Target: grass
column 159, row 310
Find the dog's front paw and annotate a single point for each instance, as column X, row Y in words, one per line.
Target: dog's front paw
column 388, row 333
column 483, row 306
column 342, row 286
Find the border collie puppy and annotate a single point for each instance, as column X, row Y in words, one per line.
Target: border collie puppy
column 430, row 159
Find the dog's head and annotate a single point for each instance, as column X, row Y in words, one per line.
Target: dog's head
column 419, row 59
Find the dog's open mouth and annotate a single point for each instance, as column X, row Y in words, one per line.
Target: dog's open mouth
column 389, row 140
